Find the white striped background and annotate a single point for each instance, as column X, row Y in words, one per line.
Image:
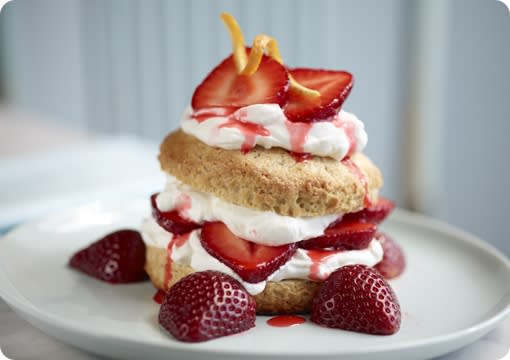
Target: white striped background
column 137, row 62
column 427, row 71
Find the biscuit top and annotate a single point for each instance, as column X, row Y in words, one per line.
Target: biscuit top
column 272, row 180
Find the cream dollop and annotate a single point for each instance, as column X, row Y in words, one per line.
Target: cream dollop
column 300, row 266
column 266, row 125
column 262, row 227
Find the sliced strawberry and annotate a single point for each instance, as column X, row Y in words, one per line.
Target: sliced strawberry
column 252, row 262
column 347, row 235
column 394, row 261
column 334, row 87
column 375, row 213
column 224, row 87
column 206, row 305
column 118, row 257
column 357, row 298
column 171, row 221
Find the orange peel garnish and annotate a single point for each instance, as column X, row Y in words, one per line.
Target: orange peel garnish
column 237, row 38
column 261, row 44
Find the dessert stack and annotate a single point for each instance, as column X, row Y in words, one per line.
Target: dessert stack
column 270, row 204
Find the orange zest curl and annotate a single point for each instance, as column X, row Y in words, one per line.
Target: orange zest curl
column 261, row 44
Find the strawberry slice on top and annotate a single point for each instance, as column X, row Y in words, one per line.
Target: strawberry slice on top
column 334, row 87
column 224, row 87
column 252, row 262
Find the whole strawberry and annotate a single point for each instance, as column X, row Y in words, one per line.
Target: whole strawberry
column 393, row 262
column 118, row 257
column 206, row 305
column 357, row 298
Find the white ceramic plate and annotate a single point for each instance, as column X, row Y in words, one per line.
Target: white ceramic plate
column 455, row 289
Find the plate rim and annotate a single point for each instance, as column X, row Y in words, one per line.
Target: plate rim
column 400, row 216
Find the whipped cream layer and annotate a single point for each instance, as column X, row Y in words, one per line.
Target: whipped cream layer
column 262, row 227
column 266, row 125
column 305, row 264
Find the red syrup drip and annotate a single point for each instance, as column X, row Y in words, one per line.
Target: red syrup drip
column 348, row 128
column 183, row 203
column 203, row 115
column 301, row 157
column 298, row 132
column 361, row 177
column 159, row 296
column 285, row 320
column 178, row 241
column 248, row 129
column 318, row 257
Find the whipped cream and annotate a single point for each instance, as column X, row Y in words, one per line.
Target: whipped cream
column 303, row 265
column 266, row 125
column 262, row 227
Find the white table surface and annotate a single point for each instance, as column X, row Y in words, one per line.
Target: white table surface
column 15, row 334
column 18, row 339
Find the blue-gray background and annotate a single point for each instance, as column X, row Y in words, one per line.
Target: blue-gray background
column 432, row 80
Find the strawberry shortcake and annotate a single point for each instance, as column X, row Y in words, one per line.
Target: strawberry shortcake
column 267, row 185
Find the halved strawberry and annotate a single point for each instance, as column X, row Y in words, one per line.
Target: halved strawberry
column 346, row 235
column 334, row 87
column 206, row 305
column 357, row 298
column 116, row 258
column 224, row 87
column 171, row 221
column 375, row 213
column 252, row 262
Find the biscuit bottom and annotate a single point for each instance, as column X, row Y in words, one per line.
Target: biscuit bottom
column 282, row 297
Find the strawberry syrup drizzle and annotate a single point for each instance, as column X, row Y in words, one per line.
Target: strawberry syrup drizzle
column 361, row 177
column 298, row 132
column 248, row 129
column 159, row 296
column 318, row 258
column 178, row 241
column 348, row 128
column 203, row 115
column 183, row 203
column 300, row 157
column 285, row 320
